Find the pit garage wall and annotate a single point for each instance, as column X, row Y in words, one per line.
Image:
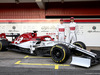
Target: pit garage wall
column 32, row 11
column 21, row 11
column 73, row 9
column 87, row 32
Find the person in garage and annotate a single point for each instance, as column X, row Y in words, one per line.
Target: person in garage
column 60, row 34
column 73, row 29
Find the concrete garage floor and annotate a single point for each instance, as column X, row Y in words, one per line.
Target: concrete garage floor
column 15, row 63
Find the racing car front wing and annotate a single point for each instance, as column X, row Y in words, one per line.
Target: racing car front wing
column 91, row 58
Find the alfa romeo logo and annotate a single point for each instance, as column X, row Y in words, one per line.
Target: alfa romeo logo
column 94, row 27
column 13, row 27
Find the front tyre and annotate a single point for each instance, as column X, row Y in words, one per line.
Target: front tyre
column 81, row 45
column 60, row 53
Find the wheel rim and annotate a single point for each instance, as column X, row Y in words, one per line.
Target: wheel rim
column 57, row 54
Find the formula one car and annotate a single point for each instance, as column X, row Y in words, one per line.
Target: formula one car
column 60, row 52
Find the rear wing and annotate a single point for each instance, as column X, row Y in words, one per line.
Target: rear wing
column 13, row 35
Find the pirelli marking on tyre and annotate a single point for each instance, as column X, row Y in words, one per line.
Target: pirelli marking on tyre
column 64, row 55
column 58, row 46
column 79, row 45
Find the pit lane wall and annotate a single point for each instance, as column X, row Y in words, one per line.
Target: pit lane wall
column 89, row 30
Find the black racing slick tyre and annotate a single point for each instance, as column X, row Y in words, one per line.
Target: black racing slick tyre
column 3, row 45
column 81, row 45
column 60, row 53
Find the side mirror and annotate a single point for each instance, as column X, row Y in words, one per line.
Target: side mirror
column 35, row 31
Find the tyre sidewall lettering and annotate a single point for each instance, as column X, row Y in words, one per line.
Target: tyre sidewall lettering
column 79, row 45
column 59, row 46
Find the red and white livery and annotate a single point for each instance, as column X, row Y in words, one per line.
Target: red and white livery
column 61, row 32
column 73, row 29
column 45, row 45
